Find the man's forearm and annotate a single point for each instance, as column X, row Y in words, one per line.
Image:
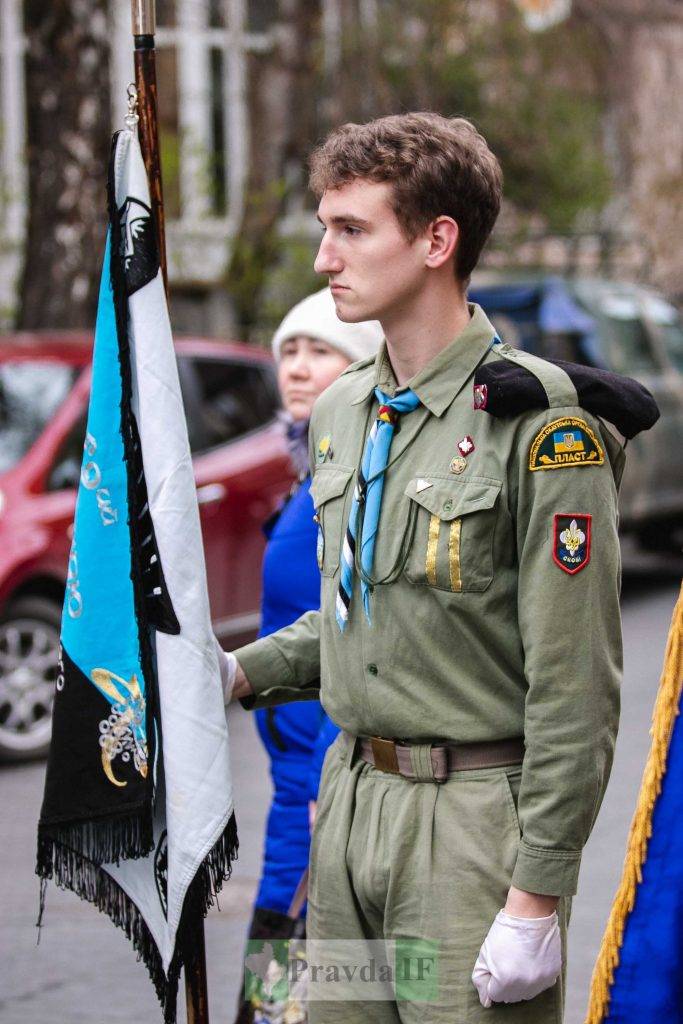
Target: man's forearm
column 281, row 667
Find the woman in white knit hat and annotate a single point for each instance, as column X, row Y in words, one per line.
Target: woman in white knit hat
column 311, row 348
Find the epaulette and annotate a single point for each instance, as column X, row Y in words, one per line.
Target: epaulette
column 359, row 365
column 504, row 388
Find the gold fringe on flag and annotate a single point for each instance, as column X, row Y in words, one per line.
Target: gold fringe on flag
column 663, row 718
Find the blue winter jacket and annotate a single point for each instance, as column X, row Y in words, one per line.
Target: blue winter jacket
column 295, row 735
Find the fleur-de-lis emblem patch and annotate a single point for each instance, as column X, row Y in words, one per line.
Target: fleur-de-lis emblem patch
column 571, row 541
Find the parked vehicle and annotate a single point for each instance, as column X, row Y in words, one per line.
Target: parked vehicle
column 241, row 469
column 621, row 327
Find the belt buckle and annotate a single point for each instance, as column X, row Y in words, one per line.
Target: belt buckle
column 384, row 754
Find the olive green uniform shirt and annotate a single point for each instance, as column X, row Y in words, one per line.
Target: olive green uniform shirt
column 477, row 634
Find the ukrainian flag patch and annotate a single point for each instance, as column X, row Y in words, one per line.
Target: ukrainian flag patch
column 563, row 443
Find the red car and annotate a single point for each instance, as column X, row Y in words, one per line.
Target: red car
column 241, row 469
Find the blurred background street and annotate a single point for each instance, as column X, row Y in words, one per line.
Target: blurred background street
column 84, row 970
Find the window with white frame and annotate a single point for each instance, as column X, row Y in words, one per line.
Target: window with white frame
column 201, row 71
column 201, row 48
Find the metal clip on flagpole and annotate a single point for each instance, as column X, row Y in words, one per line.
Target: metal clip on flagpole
column 142, row 108
column 132, row 118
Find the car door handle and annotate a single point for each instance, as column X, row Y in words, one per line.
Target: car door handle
column 209, row 493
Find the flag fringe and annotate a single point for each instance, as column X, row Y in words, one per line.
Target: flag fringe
column 103, row 842
column 74, row 871
column 664, row 716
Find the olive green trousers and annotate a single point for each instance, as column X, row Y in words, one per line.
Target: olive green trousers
column 393, row 858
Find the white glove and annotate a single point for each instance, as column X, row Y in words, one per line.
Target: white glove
column 228, row 666
column 520, row 957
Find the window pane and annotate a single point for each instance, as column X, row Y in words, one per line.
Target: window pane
column 30, row 394
column 217, row 13
column 218, row 170
column 169, row 133
column 166, row 13
column 260, row 15
column 224, row 401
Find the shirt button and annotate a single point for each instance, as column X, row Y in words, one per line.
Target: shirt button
column 447, row 505
column 372, row 669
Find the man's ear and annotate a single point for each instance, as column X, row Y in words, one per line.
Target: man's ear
column 442, row 235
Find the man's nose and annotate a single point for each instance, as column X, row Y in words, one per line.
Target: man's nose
column 327, row 261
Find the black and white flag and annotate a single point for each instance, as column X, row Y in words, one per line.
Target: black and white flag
column 137, row 815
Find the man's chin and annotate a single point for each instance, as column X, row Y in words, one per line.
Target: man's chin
column 350, row 311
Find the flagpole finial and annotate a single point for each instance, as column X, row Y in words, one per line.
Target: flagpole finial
column 131, row 119
column 143, row 17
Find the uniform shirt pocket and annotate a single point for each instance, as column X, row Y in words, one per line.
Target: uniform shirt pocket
column 328, row 491
column 452, row 546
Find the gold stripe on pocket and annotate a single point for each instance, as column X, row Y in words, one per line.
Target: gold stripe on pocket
column 432, row 543
column 454, row 555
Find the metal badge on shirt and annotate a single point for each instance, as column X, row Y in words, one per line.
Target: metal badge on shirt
column 465, row 447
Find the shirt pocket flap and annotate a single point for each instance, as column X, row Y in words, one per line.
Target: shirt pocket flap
column 449, row 499
column 329, row 482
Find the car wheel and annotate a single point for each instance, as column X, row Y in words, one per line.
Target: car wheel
column 29, row 652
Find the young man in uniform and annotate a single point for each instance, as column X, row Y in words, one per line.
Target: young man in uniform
column 468, row 642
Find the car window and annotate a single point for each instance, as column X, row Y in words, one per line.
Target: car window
column 626, row 337
column 225, row 400
column 30, row 394
column 667, row 323
column 563, row 345
column 672, row 335
column 630, row 347
column 66, row 467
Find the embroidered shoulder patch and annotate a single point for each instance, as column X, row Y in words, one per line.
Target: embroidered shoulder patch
column 565, row 442
column 571, row 540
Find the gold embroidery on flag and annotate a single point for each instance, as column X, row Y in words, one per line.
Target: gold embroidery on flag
column 454, row 555
column 432, row 542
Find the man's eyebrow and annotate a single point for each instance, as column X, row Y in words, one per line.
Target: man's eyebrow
column 345, row 218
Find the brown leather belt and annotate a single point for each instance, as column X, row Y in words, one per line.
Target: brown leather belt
column 432, row 762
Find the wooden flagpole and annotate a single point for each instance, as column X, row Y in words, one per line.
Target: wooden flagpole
column 144, row 27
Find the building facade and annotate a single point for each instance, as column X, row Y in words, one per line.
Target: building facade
column 202, row 50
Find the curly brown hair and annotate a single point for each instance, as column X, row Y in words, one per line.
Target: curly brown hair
column 436, row 165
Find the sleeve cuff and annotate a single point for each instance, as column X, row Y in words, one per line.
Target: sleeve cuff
column 271, row 677
column 546, row 872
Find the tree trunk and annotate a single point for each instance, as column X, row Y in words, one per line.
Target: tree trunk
column 68, row 117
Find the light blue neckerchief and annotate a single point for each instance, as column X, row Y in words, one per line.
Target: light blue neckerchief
column 369, row 487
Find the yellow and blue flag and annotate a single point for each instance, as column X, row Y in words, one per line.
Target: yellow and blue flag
column 638, row 977
column 568, row 441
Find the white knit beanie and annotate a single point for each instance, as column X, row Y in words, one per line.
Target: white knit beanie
column 316, row 317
